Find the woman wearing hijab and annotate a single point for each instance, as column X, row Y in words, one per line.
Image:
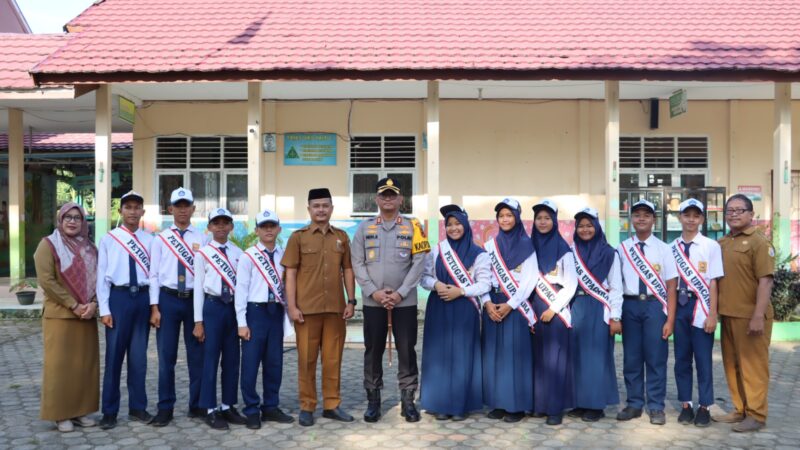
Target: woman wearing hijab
column 66, row 266
column 596, row 312
column 552, row 366
column 508, row 318
column 458, row 274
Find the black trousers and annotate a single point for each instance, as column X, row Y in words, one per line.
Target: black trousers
column 404, row 330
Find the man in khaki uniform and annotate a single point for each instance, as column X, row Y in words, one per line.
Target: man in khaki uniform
column 748, row 260
column 317, row 260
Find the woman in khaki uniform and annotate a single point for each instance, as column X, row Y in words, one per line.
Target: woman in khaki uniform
column 66, row 266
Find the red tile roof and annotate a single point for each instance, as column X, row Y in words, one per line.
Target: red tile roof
column 69, row 141
column 385, row 39
column 20, row 52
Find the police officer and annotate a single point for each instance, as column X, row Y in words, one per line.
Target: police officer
column 388, row 271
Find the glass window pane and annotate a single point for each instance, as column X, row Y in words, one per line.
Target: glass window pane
column 406, row 181
column 166, row 184
column 659, row 179
column 629, row 180
column 205, row 188
column 693, row 181
column 364, row 192
column 236, row 191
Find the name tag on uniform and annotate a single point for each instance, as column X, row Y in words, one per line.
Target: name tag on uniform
column 702, row 266
column 657, row 267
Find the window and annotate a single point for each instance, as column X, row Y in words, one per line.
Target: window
column 376, row 157
column 663, row 161
column 204, row 164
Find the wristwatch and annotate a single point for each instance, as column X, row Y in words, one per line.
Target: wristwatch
column 352, row 301
column 616, row 319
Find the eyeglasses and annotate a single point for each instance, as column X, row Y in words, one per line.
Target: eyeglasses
column 735, row 211
column 70, row 218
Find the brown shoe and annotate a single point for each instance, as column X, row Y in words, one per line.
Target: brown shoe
column 731, row 417
column 747, row 425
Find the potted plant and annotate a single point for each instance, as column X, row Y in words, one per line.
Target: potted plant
column 25, row 296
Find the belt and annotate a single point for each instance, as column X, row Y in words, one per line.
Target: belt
column 579, row 292
column 641, row 297
column 688, row 293
column 131, row 289
column 177, row 293
column 260, row 304
column 217, row 298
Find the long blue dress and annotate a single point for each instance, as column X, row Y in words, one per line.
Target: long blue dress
column 593, row 356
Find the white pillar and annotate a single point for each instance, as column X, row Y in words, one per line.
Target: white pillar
column 16, row 195
column 269, row 161
column 782, row 170
column 253, row 148
column 612, row 228
column 432, row 170
column 102, row 162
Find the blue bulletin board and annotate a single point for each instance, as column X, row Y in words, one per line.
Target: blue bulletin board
column 309, row 149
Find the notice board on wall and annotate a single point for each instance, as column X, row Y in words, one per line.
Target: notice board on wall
column 309, row 149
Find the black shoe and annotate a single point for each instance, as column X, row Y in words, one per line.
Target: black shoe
column 197, row 413
column 593, row 415
column 657, row 417
column 108, row 421
column 275, row 415
column 629, row 413
column 407, row 407
column 442, row 416
column 140, row 415
column 687, row 415
column 703, row 418
column 214, row 420
column 576, row 413
column 162, row 419
column 373, row 413
column 337, row 414
column 231, row 415
column 306, row 418
column 537, row 415
column 513, row 417
column 253, row 422
column 554, row 420
column 459, row 417
column 496, row 414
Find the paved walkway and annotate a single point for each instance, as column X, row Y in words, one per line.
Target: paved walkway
column 20, row 428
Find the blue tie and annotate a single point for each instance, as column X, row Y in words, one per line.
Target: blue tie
column 271, row 296
column 182, row 269
column 683, row 294
column 133, row 280
column 642, row 286
column 226, row 291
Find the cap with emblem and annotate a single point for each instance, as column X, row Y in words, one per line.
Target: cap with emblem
column 219, row 212
column 447, row 209
column 388, row 184
column 546, row 203
column 131, row 196
column 318, row 193
column 181, row 194
column 267, row 216
column 644, row 204
column 509, row 203
column 591, row 212
column 691, row 203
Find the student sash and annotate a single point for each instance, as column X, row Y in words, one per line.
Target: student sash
column 646, row 273
column 457, row 271
column 221, row 264
column 179, row 248
column 547, row 292
column 133, row 246
column 267, row 271
column 508, row 284
column 591, row 285
column 694, row 281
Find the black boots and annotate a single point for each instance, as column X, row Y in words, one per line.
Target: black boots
column 373, row 406
column 407, row 407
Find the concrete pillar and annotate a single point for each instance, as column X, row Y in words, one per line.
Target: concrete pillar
column 253, row 148
column 612, row 228
column 269, row 161
column 16, row 194
column 432, row 162
column 782, row 170
column 102, row 162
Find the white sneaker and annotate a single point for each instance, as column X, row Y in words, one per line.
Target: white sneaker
column 84, row 421
column 65, row 426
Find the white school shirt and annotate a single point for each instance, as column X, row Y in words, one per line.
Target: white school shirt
column 206, row 278
column 112, row 267
column 481, row 273
column 613, row 283
column 706, row 256
column 657, row 253
column 527, row 277
column 250, row 283
column 564, row 274
column 164, row 263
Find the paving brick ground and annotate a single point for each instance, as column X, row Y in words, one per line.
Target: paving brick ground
column 20, row 427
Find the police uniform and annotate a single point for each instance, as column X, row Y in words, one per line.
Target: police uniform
column 382, row 258
column 122, row 292
column 692, row 342
column 214, row 307
column 263, row 312
column 171, row 290
column 643, row 319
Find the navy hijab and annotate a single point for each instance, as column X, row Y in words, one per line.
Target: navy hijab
column 597, row 255
column 514, row 245
column 550, row 246
column 465, row 248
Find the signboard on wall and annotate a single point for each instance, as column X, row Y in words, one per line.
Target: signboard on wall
column 309, row 149
column 752, row 192
column 127, row 110
column 678, row 103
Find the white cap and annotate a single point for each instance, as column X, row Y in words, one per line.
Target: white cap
column 546, row 202
column 219, row 212
column 644, row 203
column 691, row 203
column 507, row 202
column 181, row 194
column 131, row 195
column 591, row 212
column 267, row 216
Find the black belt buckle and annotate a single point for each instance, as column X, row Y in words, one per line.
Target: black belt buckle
column 643, row 297
column 133, row 289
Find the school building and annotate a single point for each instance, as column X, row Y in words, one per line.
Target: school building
column 252, row 103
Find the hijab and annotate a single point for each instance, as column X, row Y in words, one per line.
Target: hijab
column 514, row 244
column 75, row 256
column 596, row 254
column 464, row 247
column 550, row 246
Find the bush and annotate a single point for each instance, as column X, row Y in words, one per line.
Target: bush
column 785, row 289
